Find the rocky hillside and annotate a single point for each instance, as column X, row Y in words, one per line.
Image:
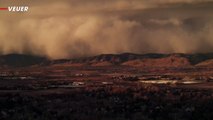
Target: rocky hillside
column 207, row 63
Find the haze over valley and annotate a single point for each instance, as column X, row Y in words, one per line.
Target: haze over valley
column 70, row 28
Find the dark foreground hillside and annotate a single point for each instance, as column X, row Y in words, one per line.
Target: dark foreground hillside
column 108, row 103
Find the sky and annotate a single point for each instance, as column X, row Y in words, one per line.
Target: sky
column 75, row 28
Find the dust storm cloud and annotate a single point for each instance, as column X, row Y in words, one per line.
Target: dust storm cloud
column 75, row 28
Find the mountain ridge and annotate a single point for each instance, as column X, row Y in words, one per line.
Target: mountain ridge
column 128, row 59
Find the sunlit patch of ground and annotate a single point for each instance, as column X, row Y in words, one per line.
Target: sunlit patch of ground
column 170, row 81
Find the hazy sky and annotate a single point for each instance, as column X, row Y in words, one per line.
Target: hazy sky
column 73, row 28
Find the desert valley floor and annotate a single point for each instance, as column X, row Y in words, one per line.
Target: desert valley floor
column 167, row 88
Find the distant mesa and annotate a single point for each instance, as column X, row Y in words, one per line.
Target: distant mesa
column 125, row 59
column 170, row 61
